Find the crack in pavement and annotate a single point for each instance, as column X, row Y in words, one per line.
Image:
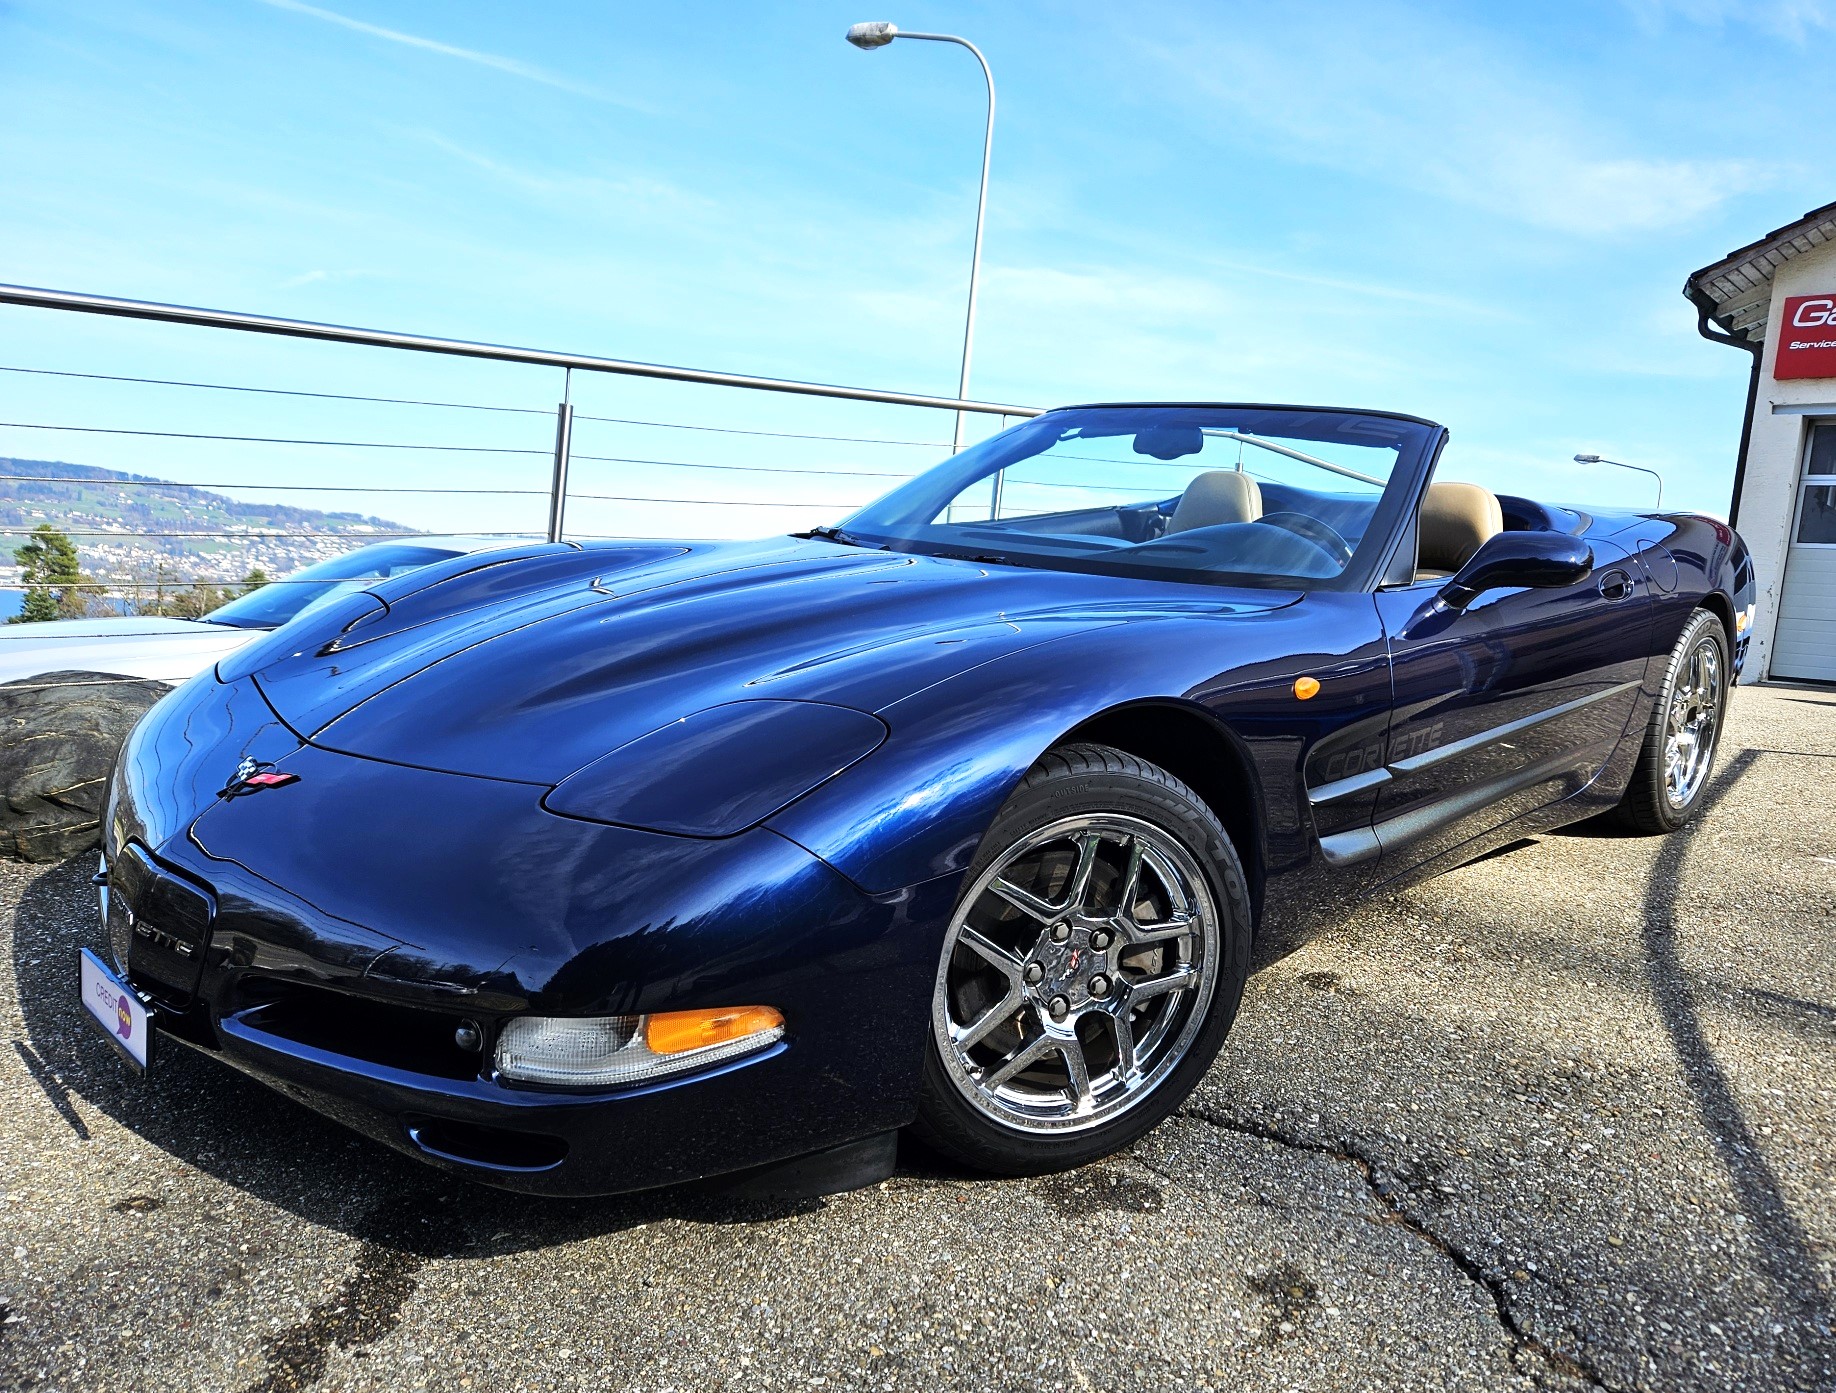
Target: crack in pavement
column 1521, row 1340
column 1257, row 1201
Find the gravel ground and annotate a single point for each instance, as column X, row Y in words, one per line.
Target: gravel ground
column 1561, row 1119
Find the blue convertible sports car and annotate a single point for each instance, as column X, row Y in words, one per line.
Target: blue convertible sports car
column 585, row 868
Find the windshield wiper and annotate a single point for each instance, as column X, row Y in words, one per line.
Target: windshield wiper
column 831, row 534
column 993, row 558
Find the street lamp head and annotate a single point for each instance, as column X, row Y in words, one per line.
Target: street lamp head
column 1621, row 464
column 875, row 33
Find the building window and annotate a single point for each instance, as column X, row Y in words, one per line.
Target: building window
column 1817, row 508
column 1821, row 457
column 1817, row 519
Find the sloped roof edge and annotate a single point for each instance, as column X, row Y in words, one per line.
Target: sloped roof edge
column 1738, row 285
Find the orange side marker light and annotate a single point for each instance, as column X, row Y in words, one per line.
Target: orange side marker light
column 671, row 1032
column 1306, row 688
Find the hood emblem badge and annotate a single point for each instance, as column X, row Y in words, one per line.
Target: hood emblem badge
column 254, row 775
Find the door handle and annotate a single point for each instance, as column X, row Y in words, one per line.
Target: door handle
column 1615, row 584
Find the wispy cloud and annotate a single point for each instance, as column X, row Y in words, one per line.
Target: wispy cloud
column 1186, row 334
column 1373, row 290
column 1788, row 19
column 630, row 192
column 1439, row 111
column 513, row 66
column 320, row 276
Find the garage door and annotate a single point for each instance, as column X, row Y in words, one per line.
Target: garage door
column 1804, row 645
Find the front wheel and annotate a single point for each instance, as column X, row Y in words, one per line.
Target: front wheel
column 1681, row 737
column 1091, row 970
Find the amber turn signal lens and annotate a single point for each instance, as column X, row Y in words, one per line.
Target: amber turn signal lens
column 1306, row 687
column 672, row 1032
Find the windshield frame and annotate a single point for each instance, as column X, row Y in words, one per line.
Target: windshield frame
column 1370, row 559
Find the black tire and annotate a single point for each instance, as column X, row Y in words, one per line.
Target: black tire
column 1076, row 782
column 1648, row 805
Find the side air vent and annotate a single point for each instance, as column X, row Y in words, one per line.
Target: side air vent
column 490, row 1148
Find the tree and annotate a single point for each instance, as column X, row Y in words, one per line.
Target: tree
column 55, row 586
column 195, row 602
column 254, row 580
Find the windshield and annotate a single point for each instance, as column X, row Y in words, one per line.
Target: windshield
column 280, row 600
column 1229, row 494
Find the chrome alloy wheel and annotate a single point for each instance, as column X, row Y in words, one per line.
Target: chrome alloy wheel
column 1077, row 973
column 1693, row 723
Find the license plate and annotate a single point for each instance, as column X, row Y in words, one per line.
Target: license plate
column 121, row 1014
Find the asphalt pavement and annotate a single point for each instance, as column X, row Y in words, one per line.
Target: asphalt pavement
column 1562, row 1119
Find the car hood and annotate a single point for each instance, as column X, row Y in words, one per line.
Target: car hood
column 615, row 642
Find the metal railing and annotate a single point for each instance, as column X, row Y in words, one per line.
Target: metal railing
column 562, row 454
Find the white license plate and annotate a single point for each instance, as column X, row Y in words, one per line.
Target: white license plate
column 122, row 1015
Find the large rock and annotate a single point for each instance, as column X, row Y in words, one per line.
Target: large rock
column 59, row 735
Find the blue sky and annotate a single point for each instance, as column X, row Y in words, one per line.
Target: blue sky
column 1482, row 214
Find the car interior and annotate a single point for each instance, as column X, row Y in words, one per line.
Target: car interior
column 1455, row 521
column 1224, row 518
column 1241, row 521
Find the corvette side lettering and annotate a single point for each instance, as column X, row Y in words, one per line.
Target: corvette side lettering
column 1349, row 762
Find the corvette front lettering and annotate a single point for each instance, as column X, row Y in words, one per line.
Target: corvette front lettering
column 170, row 942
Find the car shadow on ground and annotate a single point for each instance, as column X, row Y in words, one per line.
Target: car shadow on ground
column 1785, row 1251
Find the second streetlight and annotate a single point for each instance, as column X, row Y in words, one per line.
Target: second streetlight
column 877, row 34
column 1602, row 459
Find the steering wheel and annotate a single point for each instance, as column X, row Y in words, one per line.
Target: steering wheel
column 1311, row 529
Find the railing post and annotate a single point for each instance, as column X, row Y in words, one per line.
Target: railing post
column 557, row 492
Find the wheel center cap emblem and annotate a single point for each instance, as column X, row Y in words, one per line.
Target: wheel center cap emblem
column 1065, row 966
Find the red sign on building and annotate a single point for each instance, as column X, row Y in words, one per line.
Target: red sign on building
column 1807, row 337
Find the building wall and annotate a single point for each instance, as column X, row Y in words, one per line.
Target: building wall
column 1769, row 493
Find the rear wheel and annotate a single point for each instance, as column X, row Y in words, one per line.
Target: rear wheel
column 1091, row 970
column 1683, row 733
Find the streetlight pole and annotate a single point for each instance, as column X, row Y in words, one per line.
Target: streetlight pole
column 878, row 34
column 1621, row 464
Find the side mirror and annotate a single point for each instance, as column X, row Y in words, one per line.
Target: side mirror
column 1541, row 560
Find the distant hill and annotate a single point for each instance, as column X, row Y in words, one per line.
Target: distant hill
column 81, row 498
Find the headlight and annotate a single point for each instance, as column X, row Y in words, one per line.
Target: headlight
column 611, row 1051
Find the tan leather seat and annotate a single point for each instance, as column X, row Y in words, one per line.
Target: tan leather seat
column 1456, row 520
column 1218, row 496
